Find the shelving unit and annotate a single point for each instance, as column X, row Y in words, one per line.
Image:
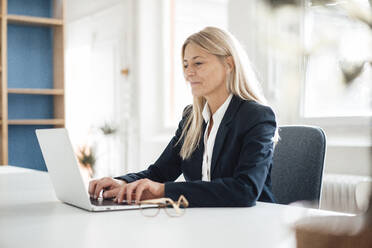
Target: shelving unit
column 36, row 21
column 36, row 91
column 58, row 122
column 32, row 77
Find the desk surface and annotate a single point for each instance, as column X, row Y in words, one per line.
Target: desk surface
column 30, row 215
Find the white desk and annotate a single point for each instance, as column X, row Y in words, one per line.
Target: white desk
column 31, row 216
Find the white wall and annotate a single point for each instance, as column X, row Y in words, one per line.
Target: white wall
column 147, row 139
column 149, row 79
column 83, row 8
column 99, row 44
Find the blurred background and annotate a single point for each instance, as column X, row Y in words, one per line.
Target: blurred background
column 125, row 90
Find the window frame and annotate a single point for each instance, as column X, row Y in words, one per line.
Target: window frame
column 357, row 121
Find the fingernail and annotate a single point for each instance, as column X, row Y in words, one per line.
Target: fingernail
column 95, row 197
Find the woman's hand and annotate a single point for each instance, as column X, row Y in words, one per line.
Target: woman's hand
column 109, row 186
column 143, row 189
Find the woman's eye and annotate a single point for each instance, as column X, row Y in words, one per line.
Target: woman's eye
column 198, row 63
column 185, row 66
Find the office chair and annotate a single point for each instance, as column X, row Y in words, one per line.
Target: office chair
column 298, row 164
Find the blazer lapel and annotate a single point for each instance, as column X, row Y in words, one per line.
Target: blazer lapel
column 223, row 130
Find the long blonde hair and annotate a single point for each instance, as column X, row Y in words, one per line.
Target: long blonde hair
column 242, row 81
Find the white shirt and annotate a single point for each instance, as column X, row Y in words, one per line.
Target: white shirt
column 209, row 141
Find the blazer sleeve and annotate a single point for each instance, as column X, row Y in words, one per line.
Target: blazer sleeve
column 168, row 166
column 245, row 187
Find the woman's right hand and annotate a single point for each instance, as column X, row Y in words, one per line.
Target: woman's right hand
column 109, row 186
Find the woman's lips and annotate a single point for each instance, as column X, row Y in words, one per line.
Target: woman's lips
column 194, row 83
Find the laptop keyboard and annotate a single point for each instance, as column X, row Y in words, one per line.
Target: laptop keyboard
column 107, row 202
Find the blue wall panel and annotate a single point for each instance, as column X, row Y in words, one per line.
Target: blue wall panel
column 30, row 107
column 30, row 57
column 30, row 65
column 24, row 149
column 40, row 8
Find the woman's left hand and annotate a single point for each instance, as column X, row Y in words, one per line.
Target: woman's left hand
column 143, row 189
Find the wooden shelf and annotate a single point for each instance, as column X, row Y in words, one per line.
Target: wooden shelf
column 50, row 50
column 36, row 91
column 36, row 122
column 37, row 21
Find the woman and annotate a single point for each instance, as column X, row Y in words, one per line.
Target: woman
column 225, row 141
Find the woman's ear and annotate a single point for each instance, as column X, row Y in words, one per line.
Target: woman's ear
column 230, row 63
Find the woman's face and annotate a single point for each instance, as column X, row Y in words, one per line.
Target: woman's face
column 204, row 71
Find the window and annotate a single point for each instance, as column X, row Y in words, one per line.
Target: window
column 182, row 18
column 338, row 44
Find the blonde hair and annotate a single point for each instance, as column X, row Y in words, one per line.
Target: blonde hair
column 242, row 81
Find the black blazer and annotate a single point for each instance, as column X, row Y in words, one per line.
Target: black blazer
column 241, row 161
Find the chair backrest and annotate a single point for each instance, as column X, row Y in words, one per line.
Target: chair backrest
column 298, row 164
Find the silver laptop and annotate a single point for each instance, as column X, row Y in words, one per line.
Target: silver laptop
column 65, row 174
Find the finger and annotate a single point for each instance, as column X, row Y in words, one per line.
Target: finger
column 92, row 186
column 146, row 195
column 130, row 189
column 120, row 195
column 111, row 193
column 139, row 191
column 98, row 188
column 103, row 183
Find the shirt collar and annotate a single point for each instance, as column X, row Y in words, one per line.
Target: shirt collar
column 218, row 115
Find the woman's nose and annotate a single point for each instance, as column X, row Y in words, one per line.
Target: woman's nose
column 189, row 71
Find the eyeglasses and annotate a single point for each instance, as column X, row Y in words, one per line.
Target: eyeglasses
column 171, row 208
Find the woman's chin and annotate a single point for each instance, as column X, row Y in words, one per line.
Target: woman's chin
column 196, row 93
